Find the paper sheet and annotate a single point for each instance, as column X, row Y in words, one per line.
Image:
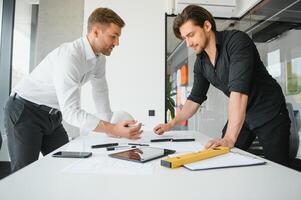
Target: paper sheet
column 99, row 165
column 223, row 161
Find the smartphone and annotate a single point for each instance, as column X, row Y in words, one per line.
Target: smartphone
column 72, row 154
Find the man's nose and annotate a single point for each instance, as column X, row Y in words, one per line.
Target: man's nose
column 188, row 43
column 116, row 42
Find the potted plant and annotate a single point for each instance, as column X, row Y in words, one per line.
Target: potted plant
column 169, row 101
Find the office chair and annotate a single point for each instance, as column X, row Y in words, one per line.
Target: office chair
column 295, row 127
column 0, row 140
column 256, row 147
column 4, row 165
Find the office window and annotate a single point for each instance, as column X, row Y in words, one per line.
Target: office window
column 294, row 76
column 274, row 65
column 24, row 29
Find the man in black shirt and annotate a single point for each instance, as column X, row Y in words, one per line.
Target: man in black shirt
column 230, row 61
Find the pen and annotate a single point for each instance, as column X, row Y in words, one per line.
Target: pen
column 183, row 140
column 138, row 144
column 162, row 140
column 119, row 147
column 130, row 125
column 104, row 145
column 173, row 140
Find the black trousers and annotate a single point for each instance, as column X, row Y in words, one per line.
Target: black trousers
column 31, row 130
column 273, row 136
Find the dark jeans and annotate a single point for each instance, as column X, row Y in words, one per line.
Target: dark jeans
column 273, row 136
column 31, row 130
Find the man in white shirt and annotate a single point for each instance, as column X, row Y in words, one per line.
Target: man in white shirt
column 34, row 112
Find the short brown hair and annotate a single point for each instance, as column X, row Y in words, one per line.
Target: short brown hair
column 195, row 13
column 104, row 16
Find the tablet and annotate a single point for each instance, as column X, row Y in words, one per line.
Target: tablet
column 142, row 154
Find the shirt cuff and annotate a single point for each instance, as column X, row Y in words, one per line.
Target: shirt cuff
column 239, row 87
column 196, row 99
column 91, row 123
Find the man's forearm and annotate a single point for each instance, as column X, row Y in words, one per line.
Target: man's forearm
column 236, row 116
column 187, row 111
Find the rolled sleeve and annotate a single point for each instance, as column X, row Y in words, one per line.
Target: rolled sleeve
column 242, row 55
column 200, row 85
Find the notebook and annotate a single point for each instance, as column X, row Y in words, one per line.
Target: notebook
column 231, row 159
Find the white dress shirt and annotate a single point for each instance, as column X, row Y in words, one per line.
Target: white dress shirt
column 56, row 82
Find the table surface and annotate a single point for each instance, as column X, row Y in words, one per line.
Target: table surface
column 102, row 177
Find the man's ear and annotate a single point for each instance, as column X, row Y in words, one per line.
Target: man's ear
column 97, row 30
column 207, row 26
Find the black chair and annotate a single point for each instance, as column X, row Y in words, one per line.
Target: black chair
column 295, row 127
column 294, row 162
column 294, row 115
column 4, row 165
column 0, row 140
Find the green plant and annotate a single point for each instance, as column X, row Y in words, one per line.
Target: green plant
column 169, row 103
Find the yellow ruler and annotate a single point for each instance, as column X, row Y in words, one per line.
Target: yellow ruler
column 179, row 161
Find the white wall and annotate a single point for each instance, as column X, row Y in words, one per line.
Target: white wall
column 136, row 68
column 58, row 22
column 21, row 44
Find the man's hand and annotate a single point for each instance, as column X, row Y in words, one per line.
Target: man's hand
column 237, row 111
column 161, row 128
column 187, row 111
column 225, row 142
column 127, row 129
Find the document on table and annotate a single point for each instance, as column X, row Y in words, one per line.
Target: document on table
column 232, row 159
column 106, row 165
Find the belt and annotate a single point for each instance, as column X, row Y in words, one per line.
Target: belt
column 48, row 109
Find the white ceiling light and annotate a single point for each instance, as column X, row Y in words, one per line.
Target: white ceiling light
column 218, row 8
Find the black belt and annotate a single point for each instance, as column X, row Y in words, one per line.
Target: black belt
column 48, row 109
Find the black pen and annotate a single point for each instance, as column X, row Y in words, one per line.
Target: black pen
column 173, row 140
column 183, row 140
column 119, row 147
column 162, row 140
column 138, row 144
column 104, row 145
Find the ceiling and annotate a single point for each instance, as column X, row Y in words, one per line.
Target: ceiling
column 264, row 22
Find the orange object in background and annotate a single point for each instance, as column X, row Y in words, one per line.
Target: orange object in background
column 184, row 74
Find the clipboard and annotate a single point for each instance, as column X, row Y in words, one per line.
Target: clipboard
column 219, row 157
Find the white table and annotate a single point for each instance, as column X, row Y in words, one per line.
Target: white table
column 49, row 178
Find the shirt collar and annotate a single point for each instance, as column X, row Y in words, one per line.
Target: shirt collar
column 218, row 40
column 88, row 49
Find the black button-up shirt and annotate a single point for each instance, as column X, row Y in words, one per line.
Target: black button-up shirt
column 238, row 68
